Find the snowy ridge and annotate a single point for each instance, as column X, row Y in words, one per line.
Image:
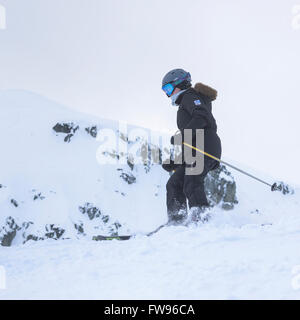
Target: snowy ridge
column 41, row 166
column 54, row 185
column 60, row 184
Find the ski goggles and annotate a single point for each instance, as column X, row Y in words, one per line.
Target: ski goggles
column 170, row 87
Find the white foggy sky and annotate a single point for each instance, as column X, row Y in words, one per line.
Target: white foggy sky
column 108, row 58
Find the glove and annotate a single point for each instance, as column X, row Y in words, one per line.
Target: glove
column 170, row 166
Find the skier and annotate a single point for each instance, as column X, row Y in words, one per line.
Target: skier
column 194, row 112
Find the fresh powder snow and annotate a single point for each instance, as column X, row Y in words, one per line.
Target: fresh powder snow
column 55, row 196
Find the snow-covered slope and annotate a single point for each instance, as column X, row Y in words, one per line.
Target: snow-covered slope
column 53, row 186
column 48, row 181
column 63, row 181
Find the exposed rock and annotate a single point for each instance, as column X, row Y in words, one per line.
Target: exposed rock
column 114, row 229
column 93, row 131
column 38, row 196
column 25, row 226
column 14, row 202
column 90, row 210
column 256, row 211
column 8, row 238
column 67, row 128
column 93, row 213
column 33, row 238
column 105, row 218
column 68, row 137
column 130, row 163
column 128, row 177
column 220, row 188
column 53, row 232
column 121, row 193
column 79, row 227
column 8, row 232
column 11, row 229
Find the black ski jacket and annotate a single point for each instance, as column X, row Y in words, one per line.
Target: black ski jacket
column 195, row 112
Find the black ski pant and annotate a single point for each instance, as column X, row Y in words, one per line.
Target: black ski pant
column 182, row 187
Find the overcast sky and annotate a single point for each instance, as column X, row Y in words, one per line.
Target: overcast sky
column 108, row 58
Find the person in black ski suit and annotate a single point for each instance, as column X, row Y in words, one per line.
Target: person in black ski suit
column 194, row 112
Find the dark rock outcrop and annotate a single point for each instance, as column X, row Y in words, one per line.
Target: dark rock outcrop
column 14, row 203
column 79, row 228
column 68, row 129
column 220, row 188
column 38, row 196
column 8, row 232
column 91, row 211
column 127, row 176
column 95, row 213
column 53, row 232
column 93, row 131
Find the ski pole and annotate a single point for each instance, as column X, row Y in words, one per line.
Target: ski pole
column 273, row 186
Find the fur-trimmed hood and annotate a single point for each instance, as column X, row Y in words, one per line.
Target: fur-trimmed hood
column 206, row 91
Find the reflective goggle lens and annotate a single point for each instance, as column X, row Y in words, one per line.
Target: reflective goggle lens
column 168, row 89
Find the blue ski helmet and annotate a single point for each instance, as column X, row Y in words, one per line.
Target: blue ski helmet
column 176, row 75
